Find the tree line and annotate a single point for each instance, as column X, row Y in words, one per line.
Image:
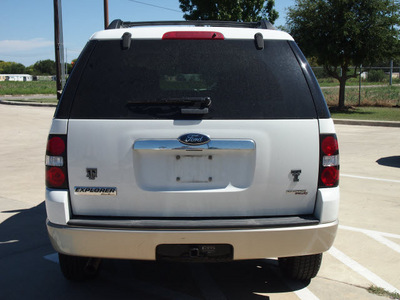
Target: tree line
column 41, row 67
column 340, row 35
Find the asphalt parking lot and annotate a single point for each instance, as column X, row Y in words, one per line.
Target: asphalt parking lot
column 366, row 251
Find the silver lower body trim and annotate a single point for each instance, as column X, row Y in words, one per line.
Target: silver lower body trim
column 252, row 243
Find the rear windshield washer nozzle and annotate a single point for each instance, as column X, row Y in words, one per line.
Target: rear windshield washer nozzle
column 126, row 41
column 259, row 41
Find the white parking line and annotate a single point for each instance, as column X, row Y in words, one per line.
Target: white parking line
column 305, row 294
column 385, row 241
column 9, row 242
column 52, row 257
column 355, row 266
column 378, row 236
column 367, row 231
column 369, row 178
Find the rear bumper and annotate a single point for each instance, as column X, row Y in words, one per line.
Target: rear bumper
column 141, row 244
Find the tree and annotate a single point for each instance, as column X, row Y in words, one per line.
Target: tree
column 11, row 68
column 343, row 34
column 44, row 67
column 228, row 10
column 71, row 66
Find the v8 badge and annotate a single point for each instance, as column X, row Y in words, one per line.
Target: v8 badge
column 91, row 173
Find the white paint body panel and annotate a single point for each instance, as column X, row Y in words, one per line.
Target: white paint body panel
column 247, row 183
column 59, row 126
column 326, row 126
column 327, row 206
column 157, row 32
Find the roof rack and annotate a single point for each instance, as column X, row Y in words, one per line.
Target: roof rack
column 263, row 24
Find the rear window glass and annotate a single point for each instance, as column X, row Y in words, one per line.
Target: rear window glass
column 175, row 79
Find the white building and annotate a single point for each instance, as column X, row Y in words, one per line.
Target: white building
column 16, row 77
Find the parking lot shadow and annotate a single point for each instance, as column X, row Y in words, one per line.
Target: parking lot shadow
column 252, row 279
column 25, row 230
column 28, row 274
column 391, row 161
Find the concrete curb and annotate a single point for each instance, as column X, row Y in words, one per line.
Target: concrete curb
column 336, row 121
column 7, row 102
column 367, row 123
column 28, row 96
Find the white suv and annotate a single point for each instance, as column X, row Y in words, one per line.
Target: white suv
column 192, row 141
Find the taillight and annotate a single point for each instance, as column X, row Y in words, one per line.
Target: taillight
column 193, row 35
column 55, row 145
column 56, row 162
column 329, row 161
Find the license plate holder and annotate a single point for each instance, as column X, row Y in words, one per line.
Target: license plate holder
column 194, row 168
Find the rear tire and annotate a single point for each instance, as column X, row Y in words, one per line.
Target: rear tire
column 77, row 268
column 301, row 267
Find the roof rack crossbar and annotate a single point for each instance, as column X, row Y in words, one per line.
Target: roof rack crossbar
column 263, row 24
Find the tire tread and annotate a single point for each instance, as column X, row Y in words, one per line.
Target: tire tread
column 301, row 267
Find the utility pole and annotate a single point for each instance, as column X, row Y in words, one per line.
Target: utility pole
column 57, row 48
column 359, row 86
column 58, row 45
column 105, row 14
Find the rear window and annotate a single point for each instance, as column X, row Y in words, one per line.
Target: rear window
column 154, row 78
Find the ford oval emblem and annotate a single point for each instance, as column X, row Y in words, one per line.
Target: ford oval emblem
column 194, row 139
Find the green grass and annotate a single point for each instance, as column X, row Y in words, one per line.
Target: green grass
column 369, row 113
column 377, row 103
column 27, row 88
column 382, row 292
column 329, row 82
column 386, row 96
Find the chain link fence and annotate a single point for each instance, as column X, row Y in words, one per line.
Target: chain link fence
column 373, row 86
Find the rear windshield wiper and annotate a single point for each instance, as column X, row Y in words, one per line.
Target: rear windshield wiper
column 192, row 105
column 203, row 101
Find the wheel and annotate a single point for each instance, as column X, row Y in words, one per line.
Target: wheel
column 77, row 268
column 301, row 267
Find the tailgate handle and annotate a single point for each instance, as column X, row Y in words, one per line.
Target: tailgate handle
column 161, row 145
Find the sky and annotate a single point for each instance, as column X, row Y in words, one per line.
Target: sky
column 27, row 26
